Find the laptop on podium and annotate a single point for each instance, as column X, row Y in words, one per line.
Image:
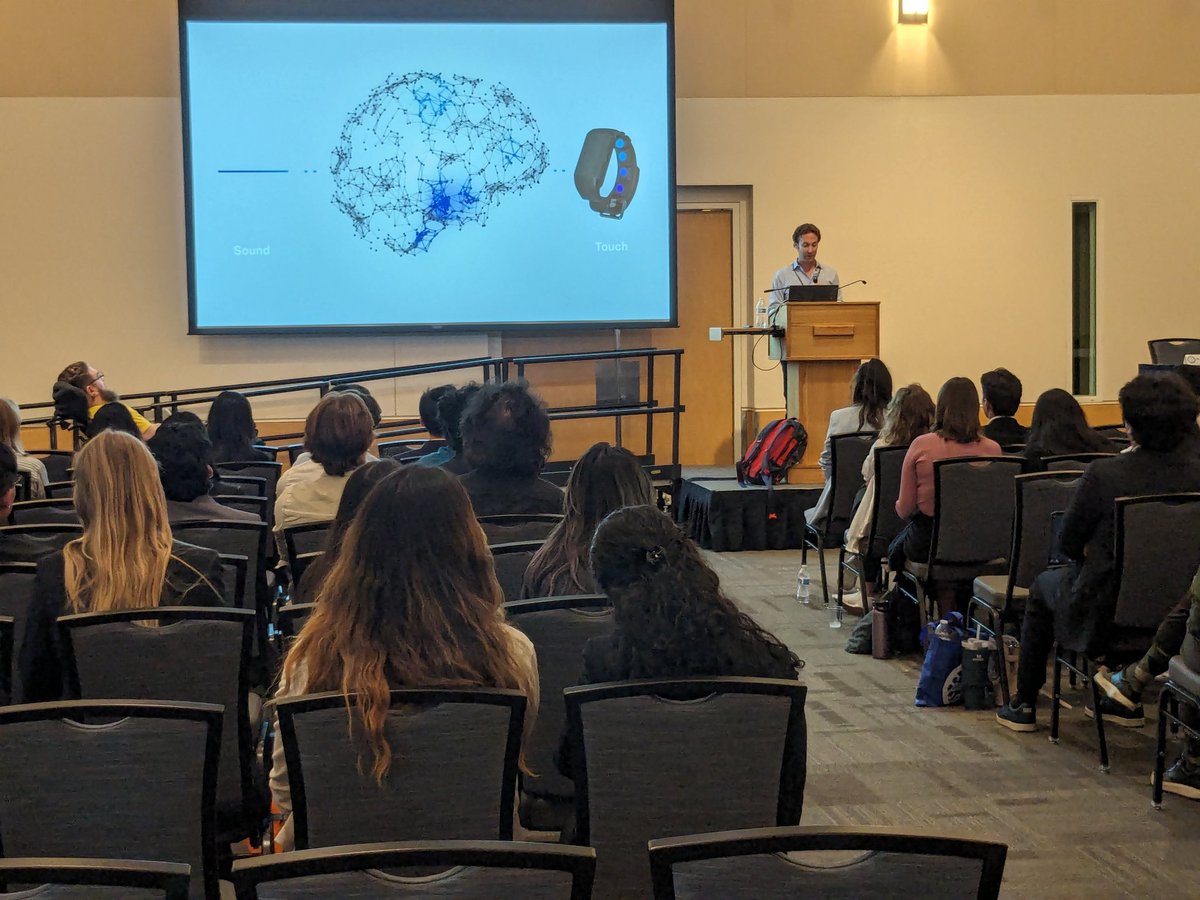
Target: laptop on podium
column 812, row 293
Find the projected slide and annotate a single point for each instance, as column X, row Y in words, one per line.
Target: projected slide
column 421, row 175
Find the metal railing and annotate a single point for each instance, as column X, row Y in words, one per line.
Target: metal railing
column 491, row 368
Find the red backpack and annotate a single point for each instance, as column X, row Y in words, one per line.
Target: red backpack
column 777, row 448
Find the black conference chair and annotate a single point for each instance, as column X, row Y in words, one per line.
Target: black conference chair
column 1157, row 555
column 16, row 592
column 770, row 863
column 138, row 783
column 504, row 529
column 455, row 778
column 643, row 757
column 885, row 524
column 44, row 512
column 95, row 879
column 58, row 463
column 471, row 870
column 559, row 628
column 1069, row 462
column 847, row 454
column 1173, row 351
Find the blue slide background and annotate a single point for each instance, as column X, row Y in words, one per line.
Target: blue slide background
column 277, row 96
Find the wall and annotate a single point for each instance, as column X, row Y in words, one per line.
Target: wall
column 958, row 212
column 939, row 160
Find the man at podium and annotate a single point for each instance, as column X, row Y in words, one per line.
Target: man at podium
column 804, row 270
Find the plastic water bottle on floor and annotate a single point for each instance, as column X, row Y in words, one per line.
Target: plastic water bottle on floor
column 803, row 587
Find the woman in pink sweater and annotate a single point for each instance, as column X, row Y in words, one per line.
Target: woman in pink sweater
column 955, row 433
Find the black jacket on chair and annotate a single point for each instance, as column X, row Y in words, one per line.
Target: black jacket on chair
column 1006, row 430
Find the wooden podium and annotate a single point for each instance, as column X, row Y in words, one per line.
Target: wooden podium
column 824, row 345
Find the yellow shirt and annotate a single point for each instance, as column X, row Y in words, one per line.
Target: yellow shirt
column 139, row 420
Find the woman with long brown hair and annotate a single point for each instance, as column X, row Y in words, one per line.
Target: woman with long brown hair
column 604, row 479
column 412, row 601
column 125, row 558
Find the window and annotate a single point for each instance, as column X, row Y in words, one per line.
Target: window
column 1083, row 298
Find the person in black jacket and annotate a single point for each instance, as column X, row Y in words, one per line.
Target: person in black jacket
column 125, row 558
column 1075, row 603
column 1001, row 391
column 506, row 441
column 1059, row 426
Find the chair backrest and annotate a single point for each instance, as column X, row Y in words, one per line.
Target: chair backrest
column 244, row 485
column 473, row 870
column 59, row 489
column 394, row 449
column 1157, row 554
column 646, row 766
column 29, row 543
column 1039, row 495
column 293, row 452
column 234, row 569
column 973, row 509
column 58, row 463
column 1070, row 462
column 24, row 487
column 559, row 628
column 505, row 529
column 453, row 774
column 511, row 561
column 7, row 629
column 196, row 654
column 138, row 781
column 847, row 454
column 291, row 617
column 248, row 539
column 751, row 865
column 16, row 593
column 76, row 878
column 256, row 505
column 44, row 512
column 254, row 468
column 885, row 524
column 306, row 538
column 1171, row 351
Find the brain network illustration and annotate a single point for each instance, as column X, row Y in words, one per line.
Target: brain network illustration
column 425, row 152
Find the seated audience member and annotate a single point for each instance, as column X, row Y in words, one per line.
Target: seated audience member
column 909, row 415
column 1001, row 400
column 450, row 406
column 1183, row 778
column 506, row 440
column 184, row 455
column 373, row 406
column 10, row 475
column 125, row 559
column 1059, row 427
column 10, row 437
column 870, row 391
column 1075, row 604
column 337, row 434
column 955, row 433
column 358, row 486
column 232, row 430
column 671, row 619
column 91, row 381
column 605, row 478
column 427, row 409
column 416, row 567
column 113, row 417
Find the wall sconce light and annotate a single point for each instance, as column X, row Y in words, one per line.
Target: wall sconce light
column 914, row 12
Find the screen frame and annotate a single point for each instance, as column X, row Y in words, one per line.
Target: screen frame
column 427, row 11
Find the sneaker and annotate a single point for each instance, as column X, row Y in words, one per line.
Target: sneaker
column 1182, row 779
column 1117, row 713
column 1017, row 717
column 1114, row 686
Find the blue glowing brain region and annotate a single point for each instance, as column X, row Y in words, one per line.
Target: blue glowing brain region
column 425, row 152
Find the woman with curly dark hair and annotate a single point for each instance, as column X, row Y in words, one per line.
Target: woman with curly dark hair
column 604, row 479
column 672, row 618
column 505, row 442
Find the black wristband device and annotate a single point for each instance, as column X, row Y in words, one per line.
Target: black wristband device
column 599, row 148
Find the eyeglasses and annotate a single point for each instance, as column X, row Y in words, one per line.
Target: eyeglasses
column 99, row 377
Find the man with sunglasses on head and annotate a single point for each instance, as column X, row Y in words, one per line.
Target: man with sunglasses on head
column 91, row 381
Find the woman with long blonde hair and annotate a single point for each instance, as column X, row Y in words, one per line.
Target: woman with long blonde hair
column 412, row 601
column 125, row 558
